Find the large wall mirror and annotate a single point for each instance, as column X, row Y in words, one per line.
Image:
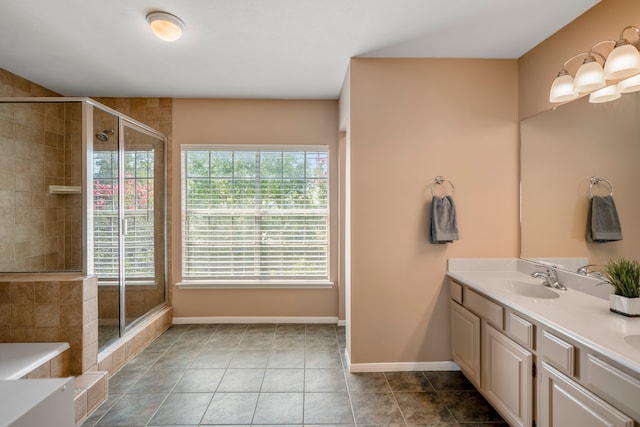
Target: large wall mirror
column 560, row 150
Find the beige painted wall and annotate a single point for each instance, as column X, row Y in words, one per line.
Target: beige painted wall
column 210, row 121
column 410, row 120
column 538, row 67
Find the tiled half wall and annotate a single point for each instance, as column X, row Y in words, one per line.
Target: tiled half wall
column 60, row 307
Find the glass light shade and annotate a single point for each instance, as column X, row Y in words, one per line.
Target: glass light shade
column 562, row 89
column 622, row 62
column 165, row 26
column 632, row 84
column 606, row 94
column 590, row 76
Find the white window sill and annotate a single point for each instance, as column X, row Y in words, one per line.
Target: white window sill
column 254, row 284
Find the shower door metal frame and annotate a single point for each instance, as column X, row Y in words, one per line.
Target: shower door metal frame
column 88, row 153
column 135, row 125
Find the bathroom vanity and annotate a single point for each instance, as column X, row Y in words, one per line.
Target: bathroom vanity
column 541, row 355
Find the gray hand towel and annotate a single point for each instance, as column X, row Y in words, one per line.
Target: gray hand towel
column 603, row 224
column 444, row 224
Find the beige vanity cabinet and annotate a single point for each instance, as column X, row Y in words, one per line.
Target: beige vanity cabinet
column 507, row 376
column 499, row 349
column 465, row 342
column 563, row 402
column 500, row 368
column 569, row 378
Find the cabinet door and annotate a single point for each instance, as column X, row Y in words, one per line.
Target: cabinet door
column 562, row 402
column 507, row 377
column 465, row 342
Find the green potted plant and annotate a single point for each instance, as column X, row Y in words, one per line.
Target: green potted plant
column 624, row 276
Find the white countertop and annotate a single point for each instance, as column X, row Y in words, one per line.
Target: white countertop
column 582, row 317
column 18, row 359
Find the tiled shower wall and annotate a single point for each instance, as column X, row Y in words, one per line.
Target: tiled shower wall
column 154, row 112
column 35, row 140
column 72, row 167
column 43, row 231
column 13, row 86
column 140, row 299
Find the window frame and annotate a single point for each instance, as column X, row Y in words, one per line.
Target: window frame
column 250, row 283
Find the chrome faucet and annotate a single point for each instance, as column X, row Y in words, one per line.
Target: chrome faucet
column 584, row 271
column 550, row 278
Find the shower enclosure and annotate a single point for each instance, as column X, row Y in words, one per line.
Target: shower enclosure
column 82, row 188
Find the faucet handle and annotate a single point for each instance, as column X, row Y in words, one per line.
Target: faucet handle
column 584, row 270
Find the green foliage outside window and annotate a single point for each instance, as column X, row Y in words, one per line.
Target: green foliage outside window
column 255, row 214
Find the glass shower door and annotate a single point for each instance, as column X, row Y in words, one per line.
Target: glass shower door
column 127, row 243
column 105, row 224
column 143, row 211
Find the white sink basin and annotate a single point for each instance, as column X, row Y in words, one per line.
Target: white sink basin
column 530, row 289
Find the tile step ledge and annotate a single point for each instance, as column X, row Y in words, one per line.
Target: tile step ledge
column 91, row 392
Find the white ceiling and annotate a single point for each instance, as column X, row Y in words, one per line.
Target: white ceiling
column 296, row 49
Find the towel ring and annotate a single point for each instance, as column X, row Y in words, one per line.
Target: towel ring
column 440, row 181
column 597, row 180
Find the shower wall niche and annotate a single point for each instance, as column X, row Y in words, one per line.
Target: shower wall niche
column 82, row 189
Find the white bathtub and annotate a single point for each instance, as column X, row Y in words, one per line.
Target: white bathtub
column 19, row 359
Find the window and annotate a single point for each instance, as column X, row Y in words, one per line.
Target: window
column 138, row 211
column 255, row 214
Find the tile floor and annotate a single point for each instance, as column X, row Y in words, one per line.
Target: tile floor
column 290, row 374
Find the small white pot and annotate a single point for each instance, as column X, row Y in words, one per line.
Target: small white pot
column 626, row 306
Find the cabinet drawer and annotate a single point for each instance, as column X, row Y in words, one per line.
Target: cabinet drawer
column 519, row 329
column 557, row 352
column 484, row 308
column 619, row 388
column 455, row 289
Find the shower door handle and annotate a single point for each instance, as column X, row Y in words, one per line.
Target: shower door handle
column 124, row 226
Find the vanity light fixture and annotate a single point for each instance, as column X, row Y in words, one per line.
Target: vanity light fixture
column 165, row 26
column 632, row 84
column 590, row 75
column 597, row 72
column 606, row 94
column 624, row 59
column 562, row 88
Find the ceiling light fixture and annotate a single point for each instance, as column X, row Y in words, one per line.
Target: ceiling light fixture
column 601, row 79
column 165, row 26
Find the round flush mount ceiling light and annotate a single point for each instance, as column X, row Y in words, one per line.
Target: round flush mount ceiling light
column 165, row 26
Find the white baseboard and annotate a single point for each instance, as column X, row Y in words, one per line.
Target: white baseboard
column 266, row 319
column 347, row 358
column 342, row 323
column 399, row 366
